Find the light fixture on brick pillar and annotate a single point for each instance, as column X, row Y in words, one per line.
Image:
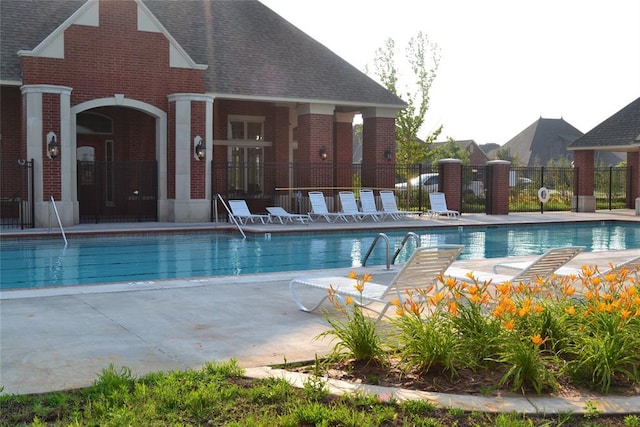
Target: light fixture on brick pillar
column 323, row 154
column 53, row 148
column 387, row 155
column 199, row 149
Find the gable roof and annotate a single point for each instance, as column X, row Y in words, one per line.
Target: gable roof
column 543, row 140
column 251, row 52
column 620, row 132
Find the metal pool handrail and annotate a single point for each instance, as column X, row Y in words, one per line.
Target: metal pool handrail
column 231, row 216
column 55, row 209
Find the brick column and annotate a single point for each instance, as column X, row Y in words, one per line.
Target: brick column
column 189, row 119
column 450, row 182
column 48, row 109
column 378, row 147
column 315, row 135
column 633, row 187
column 583, row 199
column 498, row 187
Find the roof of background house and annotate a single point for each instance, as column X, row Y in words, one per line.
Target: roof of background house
column 250, row 50
column 621, row 132
column 543, row 140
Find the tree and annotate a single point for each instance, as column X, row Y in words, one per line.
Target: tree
column 504, row 153
column 450, row 150
column 424, row 59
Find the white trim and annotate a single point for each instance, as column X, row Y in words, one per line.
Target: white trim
column 242, row 143
column 357, row 106
column 53, row 45
column 610, row 148
column 178, row 57
column 161, row 136
column 245, row 118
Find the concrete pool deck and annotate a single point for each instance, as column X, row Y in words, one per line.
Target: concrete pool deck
column 62, row 338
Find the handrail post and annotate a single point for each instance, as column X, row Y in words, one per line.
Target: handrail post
column 231, row 216
column 55, row 209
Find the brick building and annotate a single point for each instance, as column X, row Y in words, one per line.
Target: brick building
column 155, row 106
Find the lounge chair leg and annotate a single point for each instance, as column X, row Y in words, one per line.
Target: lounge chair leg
column 298, row 302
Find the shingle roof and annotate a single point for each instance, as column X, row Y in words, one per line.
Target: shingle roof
column 621, row 132
column 249, row 49
column 543, row 140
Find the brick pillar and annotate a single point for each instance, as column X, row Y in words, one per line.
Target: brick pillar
column 188, row 123
column 378, row 147
column 315, row 136
column 498, row 187
column 633, row 187
column 450, row 182
column 583, row 199
column 48, row 112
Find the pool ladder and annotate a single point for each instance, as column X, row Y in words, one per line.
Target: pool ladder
column 410, row 235
column 233, row 218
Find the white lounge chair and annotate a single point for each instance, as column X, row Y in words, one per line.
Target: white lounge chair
column 632, row 265
column 389, row 206
column 350, row 207
column 319, row 208
column 240, row 211
column 544, row 266
column 281, row 214
column 368, row 206
column 419, row 272
column 439, row 206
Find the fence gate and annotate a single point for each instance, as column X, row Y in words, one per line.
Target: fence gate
column 117, row 191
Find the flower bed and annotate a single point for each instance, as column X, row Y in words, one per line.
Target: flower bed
column 579, row 331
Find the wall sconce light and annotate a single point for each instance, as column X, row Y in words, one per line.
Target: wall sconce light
column 323, row 154
column 53, row 148
column 199, row 149
column 387, row 154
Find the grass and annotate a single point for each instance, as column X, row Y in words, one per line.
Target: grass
column 219, row 394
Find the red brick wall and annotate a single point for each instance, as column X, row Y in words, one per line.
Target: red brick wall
column 450, row 183
column 315, row 132
column 378, row 135
column 51, row 168
column 499, row 187
column 198, row 167
column 633, row 192
column 12, row 147
column 583, row 161
column 114, row 58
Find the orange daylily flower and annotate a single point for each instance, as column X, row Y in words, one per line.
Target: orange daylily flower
column 571, row 310
column 537, row 339
column 509, row 325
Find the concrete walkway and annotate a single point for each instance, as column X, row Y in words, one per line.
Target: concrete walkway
column 62, row 338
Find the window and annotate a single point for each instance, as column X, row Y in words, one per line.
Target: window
column 93, row 123
column 246, row 155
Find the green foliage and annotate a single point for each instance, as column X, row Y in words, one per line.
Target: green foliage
column 423, row 58
column 450, row 150
column 356, row 334
column 528, row 366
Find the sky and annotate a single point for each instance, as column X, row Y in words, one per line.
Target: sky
column 504, row 63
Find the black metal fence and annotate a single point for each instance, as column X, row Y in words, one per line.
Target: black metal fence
column 117, row 191
column 610, row 188
column 16, row 199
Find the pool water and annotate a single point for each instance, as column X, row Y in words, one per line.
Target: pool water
column 37, row 262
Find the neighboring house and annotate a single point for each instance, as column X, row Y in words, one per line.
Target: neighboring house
column 174, row 101
column 620, row 133
column 542, row 141
column 548, row 139
column 477, row 157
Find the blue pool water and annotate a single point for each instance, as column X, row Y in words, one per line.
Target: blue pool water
column 31, row 263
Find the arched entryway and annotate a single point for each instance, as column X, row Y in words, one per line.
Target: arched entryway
column 120, row 153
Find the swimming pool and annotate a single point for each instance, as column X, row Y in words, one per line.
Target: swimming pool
column 34, row 263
